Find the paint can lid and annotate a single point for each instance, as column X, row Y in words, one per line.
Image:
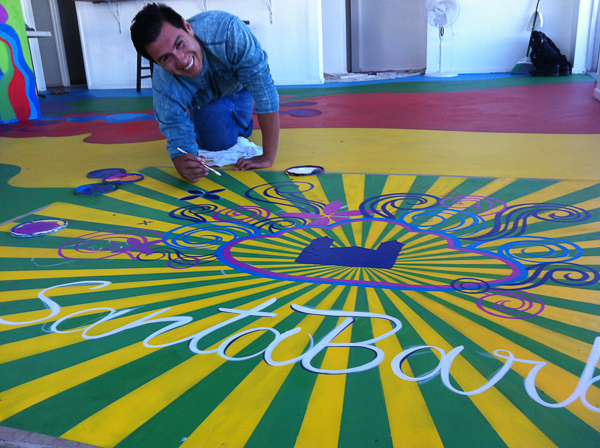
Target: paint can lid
column 105, row 172
column 123, row 178
column 38, row 227
column 94, row 189
column 305, row 170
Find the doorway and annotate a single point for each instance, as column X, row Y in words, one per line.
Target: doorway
column 60, row 55
column 386, row 35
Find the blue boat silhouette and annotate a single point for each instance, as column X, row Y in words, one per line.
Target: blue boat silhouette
column 320, row 252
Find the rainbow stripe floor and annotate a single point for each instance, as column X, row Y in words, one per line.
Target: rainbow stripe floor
column 437, row 286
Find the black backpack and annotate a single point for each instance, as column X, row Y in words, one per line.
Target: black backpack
column 546, row 57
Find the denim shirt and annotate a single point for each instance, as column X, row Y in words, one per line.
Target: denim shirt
column 233, row 59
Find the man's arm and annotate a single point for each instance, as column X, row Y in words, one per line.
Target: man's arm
column 269, row 126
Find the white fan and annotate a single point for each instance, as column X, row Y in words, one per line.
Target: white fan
column 441, row 14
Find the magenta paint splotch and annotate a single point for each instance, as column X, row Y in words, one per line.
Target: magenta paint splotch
column 3, row 14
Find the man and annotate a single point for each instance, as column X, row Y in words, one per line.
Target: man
column 211, row 69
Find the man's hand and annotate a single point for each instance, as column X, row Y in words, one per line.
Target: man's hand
column 252, row 163
column 269, row 125
column 190, row 168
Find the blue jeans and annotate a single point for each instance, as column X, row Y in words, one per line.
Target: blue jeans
column 219, row 123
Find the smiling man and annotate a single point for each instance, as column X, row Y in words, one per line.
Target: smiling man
column 211, row 70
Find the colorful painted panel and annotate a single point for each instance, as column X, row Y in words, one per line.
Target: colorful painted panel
column 18, row 96
column 339, row 310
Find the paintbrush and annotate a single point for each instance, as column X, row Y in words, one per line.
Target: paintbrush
column 202, row 163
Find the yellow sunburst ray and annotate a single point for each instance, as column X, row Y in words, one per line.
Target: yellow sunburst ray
column 410, row 425
column 572, row 293
column 316, row 193
column 21, row 397
column 575, row 230
column 28, row 394
column 440, row 188
column 506, row 419
column 567, row 345
column 33, row 346
column 76, row 212
column 354, row 189
column 143, row 201
column 26, row 294
column 232, row 424
column 395, row 184
column 555, row 382
column 134, row 409
column 323, row 416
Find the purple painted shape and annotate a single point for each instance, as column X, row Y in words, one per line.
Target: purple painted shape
column 38, row 227
column 3, row 14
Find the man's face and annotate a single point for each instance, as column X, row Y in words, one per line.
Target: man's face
column 177, row 50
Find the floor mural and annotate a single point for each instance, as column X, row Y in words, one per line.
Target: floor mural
column 259, row 309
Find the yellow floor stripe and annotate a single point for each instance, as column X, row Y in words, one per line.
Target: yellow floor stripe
column 565, row 232
column 129, row 302
column 316, row 193
column 565, row 344
column 116, row 421
column 398, row 184
column 573, row 318
column 556, row 190
column 569, row 293
column 556, row 382
column 231, row 424
column 323, row 417
column 86, row 275
column 494, row 186
column 40, row 344
column 143, row 201
column 413, row 425
column 506, row 419
column 444, row 185
column 28, row 394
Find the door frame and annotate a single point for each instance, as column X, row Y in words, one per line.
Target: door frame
column 34, row 47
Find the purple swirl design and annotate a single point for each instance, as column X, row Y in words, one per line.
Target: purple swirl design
column 470, row 285
column 511, row 304
column 102, row 245
column 244, row 213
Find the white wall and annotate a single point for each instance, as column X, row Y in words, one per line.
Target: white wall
column 293, row 40
column 491, row 36
column 334, row 36
column 308, row 37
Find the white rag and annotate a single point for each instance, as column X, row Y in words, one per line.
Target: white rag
column 242, row 149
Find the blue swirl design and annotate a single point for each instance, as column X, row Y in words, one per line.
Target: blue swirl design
column 387, row 206
column 566, row 274
column 443, row 220
column 286, row 194
column 540, row 249
column 512, row 222
column 193, row 213
column 208, row 236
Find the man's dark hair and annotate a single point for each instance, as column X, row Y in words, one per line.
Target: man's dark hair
column 148, row 22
